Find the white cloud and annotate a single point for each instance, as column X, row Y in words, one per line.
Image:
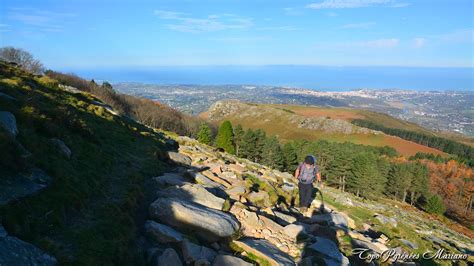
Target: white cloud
column 457, row 36
column 279, row 28
column 184, row 23
column 381, row 43
column 364, row 25
column 40, row 19
column 419, row 42
column 292, row 11
column 336, row 4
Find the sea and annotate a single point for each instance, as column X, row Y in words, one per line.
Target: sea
column 323, row 78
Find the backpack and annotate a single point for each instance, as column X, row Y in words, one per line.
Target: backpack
column 307, row 175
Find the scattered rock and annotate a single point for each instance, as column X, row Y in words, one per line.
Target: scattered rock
column 344, row 200
column 386, row 220
column 237, row 168
column 374, row 246
column 196, row 253
column 210, row 224
column 236, row 191
column 8, row 122
column 285, row 217
column 170, row 179
column 169, row 258
column 179, row 158
column 294, row 231
column 23, row 185
column 62, row 147
column 260, row 198
column 192, row 192
column 162, row 233
column 224, row 260
column 409, row 244
column 8, row 97
column 328, row 249
column 203, row 180
column 265, row 250
column 14, row 251
column 336, row 219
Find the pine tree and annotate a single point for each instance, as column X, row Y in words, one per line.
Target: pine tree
column 272, row 154
column 247, row 149
column 363, row 174
column 225, row 136
column 399, row 180
column 238, row 139
column 260, row 137
column 435, row 205
column 291, row 159
column 204, row 135
column 420, row 183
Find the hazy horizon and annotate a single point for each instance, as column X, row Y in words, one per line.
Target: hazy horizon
column 330, row 78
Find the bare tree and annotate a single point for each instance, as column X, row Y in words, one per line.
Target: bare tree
column 23, row 58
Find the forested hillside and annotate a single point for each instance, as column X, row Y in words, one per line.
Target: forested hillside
column 444, row 186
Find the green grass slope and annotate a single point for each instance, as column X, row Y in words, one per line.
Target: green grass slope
column 88, row 214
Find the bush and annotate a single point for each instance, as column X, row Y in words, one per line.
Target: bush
column 435, row 205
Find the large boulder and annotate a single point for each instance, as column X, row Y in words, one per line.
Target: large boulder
column 334, row 219
column 169, row 258
column 294, row 231
column 265, row 250
column 328, row 250
column 170, row 179
column 62, row 147
column 179, row 158
column 8, row 122
column 384, row 220
column 22, row 185
column 209, row 224
column 203, row 180
column 14, row 251
column 196, row 253
column 228, row 260
column 162, row 233
column 236, row 191
column 260, row 198
column 193, row 192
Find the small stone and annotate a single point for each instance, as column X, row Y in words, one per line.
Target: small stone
column 169, row 258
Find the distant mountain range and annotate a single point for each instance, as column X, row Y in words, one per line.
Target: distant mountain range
column 442, row 111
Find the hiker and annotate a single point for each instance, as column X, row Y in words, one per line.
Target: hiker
column 306, row 173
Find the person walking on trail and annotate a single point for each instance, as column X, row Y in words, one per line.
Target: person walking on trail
column 306, row 173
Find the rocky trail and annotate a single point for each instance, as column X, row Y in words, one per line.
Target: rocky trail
column 217, row 209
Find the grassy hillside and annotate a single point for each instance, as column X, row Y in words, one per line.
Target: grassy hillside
column 375, row 117
column 87, row 215
column 279, row 120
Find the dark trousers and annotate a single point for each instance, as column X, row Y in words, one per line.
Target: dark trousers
column 306, row 191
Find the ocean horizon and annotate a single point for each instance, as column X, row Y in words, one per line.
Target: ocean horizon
column 325, row 78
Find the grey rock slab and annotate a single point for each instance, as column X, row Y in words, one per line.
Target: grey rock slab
column 228, row 260
column 22, row 185
column 285, row 217
column 294, row 231
column 8, row 97
column 170, row 179
column 331, row 219
column 179, row 158
column 192, row 192
column 169, row 258
column 265, row 250
column 328, row 249
column 203, row 180
column 409, row 244
column 209, row 224
column 386, row 220
column 162, row 233
column 374, row 246
column 196, row 253
column 62, row 147
column 14, row 251
column 8, row 122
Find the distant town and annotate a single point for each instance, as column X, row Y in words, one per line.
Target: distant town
column 451, row 111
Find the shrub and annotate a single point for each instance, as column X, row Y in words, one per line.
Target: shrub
column 435, row 205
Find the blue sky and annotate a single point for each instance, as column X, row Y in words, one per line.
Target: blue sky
column 109, row 33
